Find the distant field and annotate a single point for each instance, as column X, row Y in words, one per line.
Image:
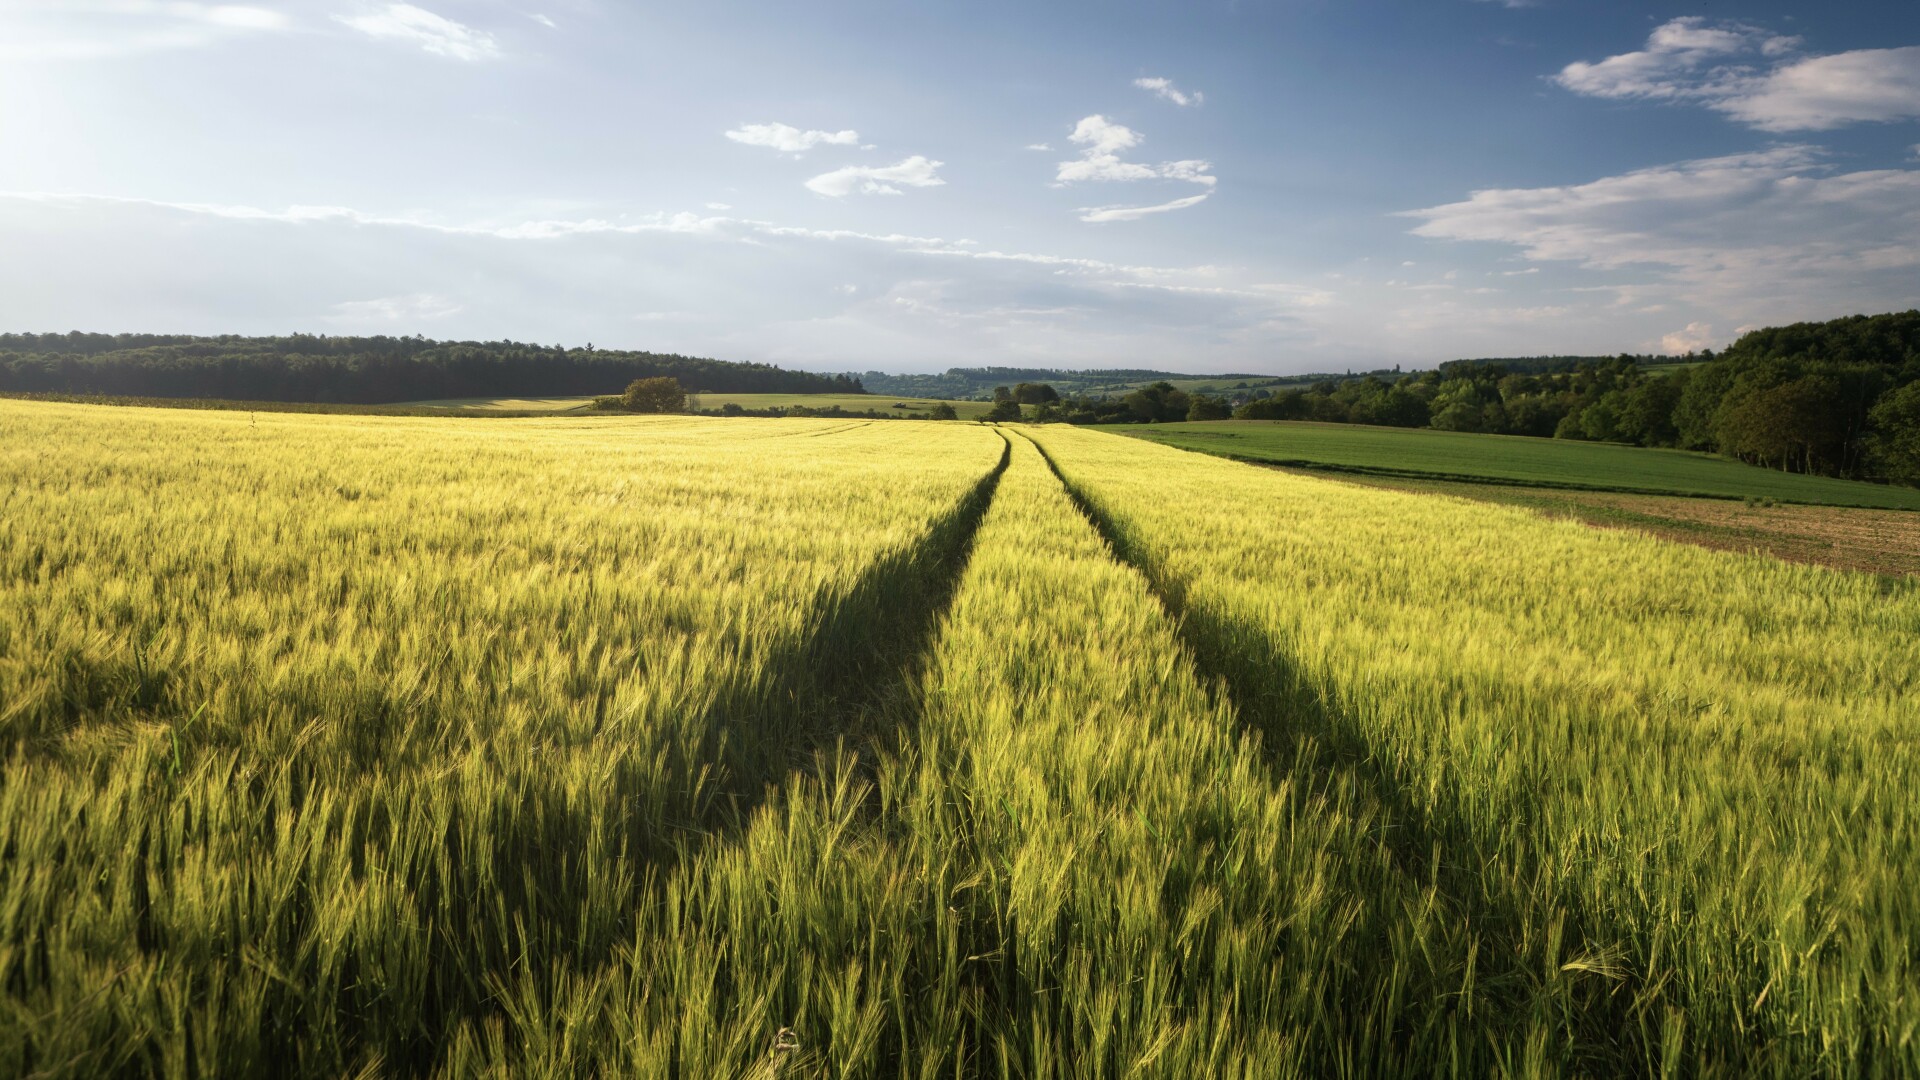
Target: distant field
column 1513, row 459
column 532, row 404
column 968, row 410
column 1205, row 384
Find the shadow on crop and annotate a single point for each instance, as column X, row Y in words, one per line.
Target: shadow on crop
column 852, row 681
column 1515, row 935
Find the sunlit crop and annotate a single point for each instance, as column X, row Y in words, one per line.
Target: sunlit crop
column 1686, row 780
column 709, row 748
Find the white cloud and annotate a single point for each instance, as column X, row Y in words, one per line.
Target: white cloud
column 1709, row 63
column 1166, row 91
column 1825, row 92
column 1101, row 136
column 102, row 29
column 1747, row 238
column 1132, row 213
column 1193, row 172
column 719, row 206
column 434, row 33
column 543, row 21
column 1039, row 146
column 1678, row 61
column 393, row 309
column 1696, row 336
column 915, row 171
column 1102, row 141
column 791, row 140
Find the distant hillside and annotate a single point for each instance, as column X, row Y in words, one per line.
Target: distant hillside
column 1542, row 365
column 363, row 370
column 963, row 383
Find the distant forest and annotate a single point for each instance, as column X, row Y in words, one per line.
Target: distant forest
column 363, row 370
column 981, row 382
column 1839, row 398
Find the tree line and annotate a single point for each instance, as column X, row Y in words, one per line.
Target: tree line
column 363, row 370
column 1838, row 398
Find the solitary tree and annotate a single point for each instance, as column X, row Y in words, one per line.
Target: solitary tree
column 1003, row 410
column 658, row 395
column 943, row 411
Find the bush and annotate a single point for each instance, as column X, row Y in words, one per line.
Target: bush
column 943, row 411
column 657, row 395
column 1003, row 410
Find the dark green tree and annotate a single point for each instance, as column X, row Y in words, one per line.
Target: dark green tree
column 656, row 395
column 1204, row 407
column 1895, row 443
column 1158, row 403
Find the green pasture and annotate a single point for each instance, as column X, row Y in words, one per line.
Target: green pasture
column 1513, row 459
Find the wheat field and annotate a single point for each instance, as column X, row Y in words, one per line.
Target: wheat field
column 749, row 748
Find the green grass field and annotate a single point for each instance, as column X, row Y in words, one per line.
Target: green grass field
column 1513, row 459
column 784, row 749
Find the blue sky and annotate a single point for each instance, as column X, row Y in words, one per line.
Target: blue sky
column 1242, row 186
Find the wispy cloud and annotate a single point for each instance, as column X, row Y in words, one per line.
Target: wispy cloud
column 790, row 140
column 761, row 290
column 915, row 171
column 1132, row 213
column 436, row 34
column 1752, row 76
column 543, row 20
column 1683, row 59
column 1166, row 91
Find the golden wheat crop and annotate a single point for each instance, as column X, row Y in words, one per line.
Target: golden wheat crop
column 779, row 748
column 316, row 725
column 1685, row 778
